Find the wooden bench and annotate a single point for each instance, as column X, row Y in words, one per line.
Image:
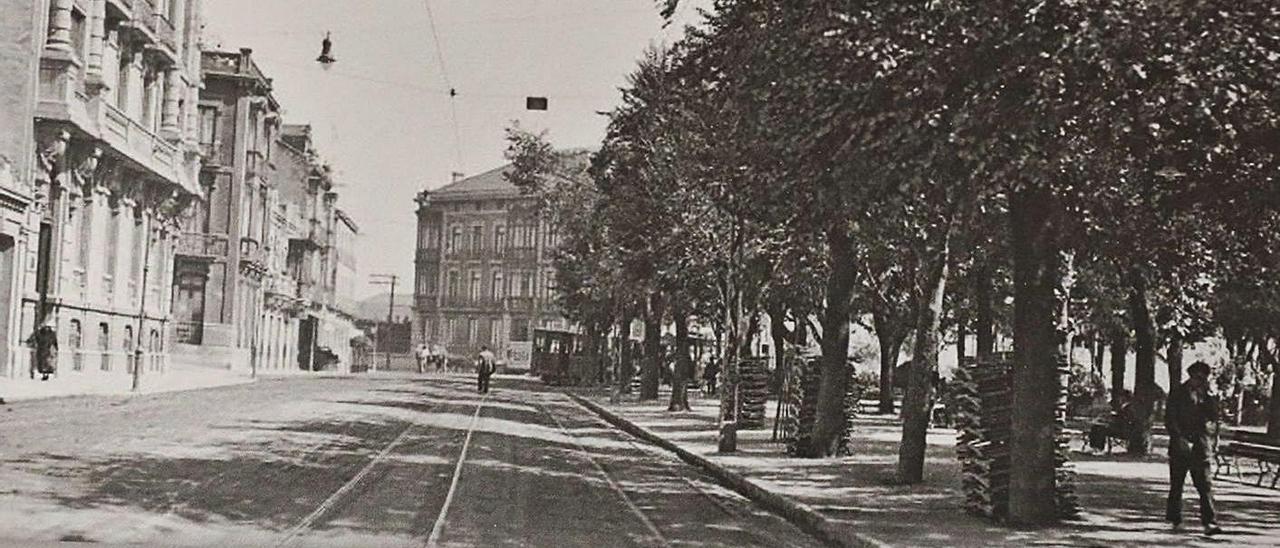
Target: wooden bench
column 1237, row 445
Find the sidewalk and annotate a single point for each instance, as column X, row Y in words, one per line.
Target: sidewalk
column 1123, row 497
column 117, row 383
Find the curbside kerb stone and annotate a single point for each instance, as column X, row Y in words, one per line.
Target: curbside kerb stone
column 804, row 517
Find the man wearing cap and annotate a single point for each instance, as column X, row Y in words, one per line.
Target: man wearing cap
column 1187, row 416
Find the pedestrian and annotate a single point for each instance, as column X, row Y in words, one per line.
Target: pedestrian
column 709, row 375
column 45, row 341
column 440, row 357
column 486, row 363
column 422, row 354
column 1187, row 414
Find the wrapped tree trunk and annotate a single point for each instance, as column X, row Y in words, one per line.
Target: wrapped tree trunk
column 830, row 419
column 924, row 365
column 1038, row 343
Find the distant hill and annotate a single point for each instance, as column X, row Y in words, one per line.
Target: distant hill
column 375, row 308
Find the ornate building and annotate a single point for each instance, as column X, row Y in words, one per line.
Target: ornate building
column 115, row 168
column 221, row 264
column 483, row 272
column 21, row 38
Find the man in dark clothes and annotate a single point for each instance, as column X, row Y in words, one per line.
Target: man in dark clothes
column 45, row 341
column 709, row 376
column 1187, row 415
column 486, row 363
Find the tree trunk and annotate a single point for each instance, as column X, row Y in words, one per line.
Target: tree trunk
column 1119, row 356
column 924, row 365
column 1273, row 406
column 683, row 368
column 654, row 313
column 1174, row 361
column 1097, row 354
column 1144, row 368
column 1037, row 343
column 829, row 420
column 890, row 348
column 984, row 325
column 778, row 332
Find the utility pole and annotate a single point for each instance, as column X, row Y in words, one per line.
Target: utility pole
column 386, row 279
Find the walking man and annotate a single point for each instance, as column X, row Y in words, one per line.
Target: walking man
column 1188, row 413
column 422, row 354
column 485, row 365
column 45, row 341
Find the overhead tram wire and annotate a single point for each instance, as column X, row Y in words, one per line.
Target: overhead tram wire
column 453, row 92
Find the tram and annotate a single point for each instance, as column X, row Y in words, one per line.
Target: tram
column 561, row 358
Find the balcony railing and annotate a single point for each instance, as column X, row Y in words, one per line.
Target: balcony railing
column 193, row 244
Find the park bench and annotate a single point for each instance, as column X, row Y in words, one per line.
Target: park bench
column 1242, row 445
column 1115, row 427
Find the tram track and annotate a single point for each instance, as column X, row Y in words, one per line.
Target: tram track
column 673, row 470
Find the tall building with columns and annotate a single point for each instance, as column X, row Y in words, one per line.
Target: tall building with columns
column 115, row 170
column 483, row 271
column 22, row 26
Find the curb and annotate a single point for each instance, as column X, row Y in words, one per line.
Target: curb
column 804, row 517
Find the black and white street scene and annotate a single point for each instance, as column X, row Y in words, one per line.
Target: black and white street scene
column 614, row 273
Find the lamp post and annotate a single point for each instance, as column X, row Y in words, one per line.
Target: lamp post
column 142, row 306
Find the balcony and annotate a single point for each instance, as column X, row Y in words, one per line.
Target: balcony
column 520, row 254
column 202, row 246
column 466, row 301
column 251, row 252
column 519, row 303
column 281, row 285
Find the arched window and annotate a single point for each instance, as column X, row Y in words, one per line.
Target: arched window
column 104, row 346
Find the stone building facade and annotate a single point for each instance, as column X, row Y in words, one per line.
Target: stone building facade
column 115, row 164
column 221, row 266
column 483, row 272
column 22, row 32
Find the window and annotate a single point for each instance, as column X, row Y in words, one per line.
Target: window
column 474, row 289
column 104, row 345
column 455, row 240
column 113, row 247
column 123, row 76
column 495, row 332
column 519, row 329
column 78, row 34
column 127, row 345
column 477, row 238
column 499, row 238
column 472, row 331
column 454, row 290
column 453, row 331
column 496, row 288
column 208, row 128
column 74, row 341
column 526, row 284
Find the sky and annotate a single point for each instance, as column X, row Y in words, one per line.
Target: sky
column 382, row 115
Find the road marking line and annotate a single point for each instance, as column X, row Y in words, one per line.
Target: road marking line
column 438, row 528
column 612, row 483
column 342, row 491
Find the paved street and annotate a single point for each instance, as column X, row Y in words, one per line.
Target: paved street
column 367, row 461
